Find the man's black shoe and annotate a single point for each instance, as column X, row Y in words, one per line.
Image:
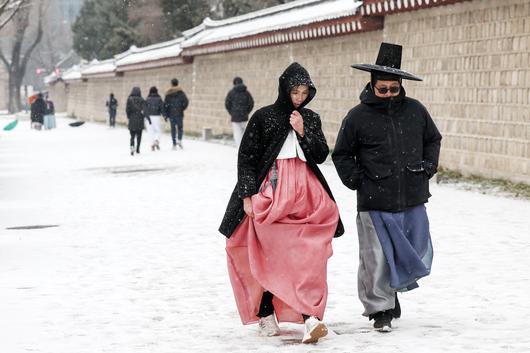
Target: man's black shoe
column 382, row 321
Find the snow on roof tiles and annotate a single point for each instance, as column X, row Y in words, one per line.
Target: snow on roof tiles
column 153, row 52
column 99, row 67
column 74, row 73
column 50, row 78
column 293, row 14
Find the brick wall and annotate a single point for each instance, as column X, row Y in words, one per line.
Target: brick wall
column 328, row 62
column 473, row 56
column 56, row 93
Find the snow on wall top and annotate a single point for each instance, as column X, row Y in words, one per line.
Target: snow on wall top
column 157, row 51
column 50, row 78
column 99, row 67
column 293, row 14
column 74, row 73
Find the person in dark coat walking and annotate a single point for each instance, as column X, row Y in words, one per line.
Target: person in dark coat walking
column 135, row 111
column 281, row 217
column 112, row 106
column 154, row 110
column 239, row 104
column 38, row 109
column 387, row 149
column 175, row 103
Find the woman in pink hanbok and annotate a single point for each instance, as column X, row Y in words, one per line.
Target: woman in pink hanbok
column 281, row 217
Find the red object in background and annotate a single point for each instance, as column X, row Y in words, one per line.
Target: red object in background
column 32, row 98
column 39, row 71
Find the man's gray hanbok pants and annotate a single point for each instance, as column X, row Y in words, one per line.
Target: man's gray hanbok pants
column 373, row 279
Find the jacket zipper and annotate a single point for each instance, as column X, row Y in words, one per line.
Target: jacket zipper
column 398, row 160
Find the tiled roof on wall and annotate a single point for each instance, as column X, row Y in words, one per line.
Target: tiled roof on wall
column 73, row 73
column 165, row 53
column 298, row 20
column 105, row 68
column 382, row 7
column 290, row 15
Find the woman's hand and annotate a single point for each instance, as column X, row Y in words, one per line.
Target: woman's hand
column 297, row 122
column 247, row 207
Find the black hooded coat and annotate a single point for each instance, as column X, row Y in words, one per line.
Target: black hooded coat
column 135, row 110
column 38, row 109
column 387, row 149
column 263, row 139
column 239, row 103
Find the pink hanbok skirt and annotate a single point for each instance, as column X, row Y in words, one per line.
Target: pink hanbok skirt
column 286, row 246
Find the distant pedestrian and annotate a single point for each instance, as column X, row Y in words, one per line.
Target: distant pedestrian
column 135, row 111
column 38, row 108
column 49, row 114
column 112, row 106
column 154, row 110
column 239, row 104
column 175, row 103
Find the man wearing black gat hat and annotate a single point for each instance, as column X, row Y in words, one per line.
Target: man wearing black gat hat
column 387, row 149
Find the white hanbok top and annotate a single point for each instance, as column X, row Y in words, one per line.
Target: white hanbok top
column 291, row 148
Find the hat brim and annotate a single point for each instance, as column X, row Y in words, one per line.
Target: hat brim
column 389, row 70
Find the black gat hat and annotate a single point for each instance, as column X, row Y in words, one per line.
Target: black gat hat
column 388, row 62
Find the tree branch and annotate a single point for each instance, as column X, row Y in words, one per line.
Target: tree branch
column 4, row 60
column 38, row 38
column 3, row 7
column 19, row 5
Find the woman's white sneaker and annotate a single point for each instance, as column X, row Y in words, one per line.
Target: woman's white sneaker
column 313, row 330
column 268, row 326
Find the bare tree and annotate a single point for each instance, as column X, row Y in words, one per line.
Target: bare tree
column 8, row 10
column 16, row 65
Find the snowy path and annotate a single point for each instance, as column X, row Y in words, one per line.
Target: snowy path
column 136, row 263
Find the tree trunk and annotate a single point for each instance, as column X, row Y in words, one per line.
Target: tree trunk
column 16, row 75
column 15, row 80
column 17, row 99
column 12, row 92
column 18, row 63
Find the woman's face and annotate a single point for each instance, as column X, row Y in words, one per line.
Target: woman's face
column 299, row 95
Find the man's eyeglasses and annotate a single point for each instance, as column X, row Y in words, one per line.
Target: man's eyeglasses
column 385, row 90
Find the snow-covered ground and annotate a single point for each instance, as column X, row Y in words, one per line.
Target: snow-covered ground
column 136, row 264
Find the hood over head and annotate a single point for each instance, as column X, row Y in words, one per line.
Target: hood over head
column 153, row 91
column 382, row 76
column 384, row 104
column 136, row 92
column 294, row 75
column 240, row 88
